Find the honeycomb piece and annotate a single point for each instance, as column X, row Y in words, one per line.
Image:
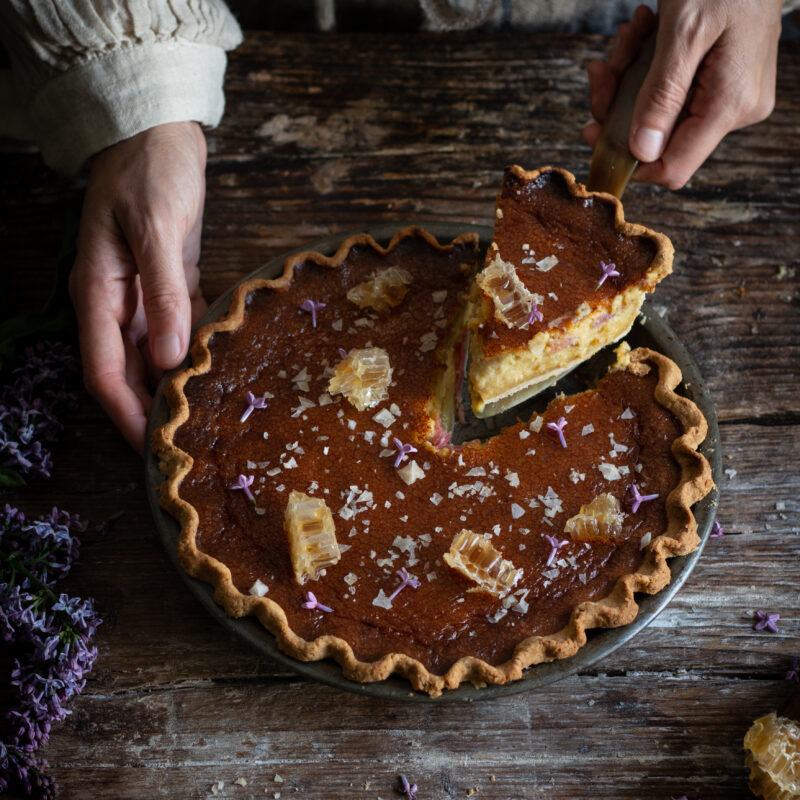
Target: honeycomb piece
column 512, row 301
column 600, row 521
column 773, row 757
column 363, row 377
column 312, row 536
column 383, row 291
column 475, row 558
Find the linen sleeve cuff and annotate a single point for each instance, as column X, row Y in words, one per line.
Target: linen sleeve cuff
column 118, row 94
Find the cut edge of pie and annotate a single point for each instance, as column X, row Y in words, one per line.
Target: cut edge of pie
column 616, row 609
column 505, row 380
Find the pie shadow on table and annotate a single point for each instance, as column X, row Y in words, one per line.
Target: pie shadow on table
column 648, row 331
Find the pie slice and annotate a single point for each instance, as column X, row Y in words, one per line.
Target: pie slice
column 564, row 277
column 364, row 536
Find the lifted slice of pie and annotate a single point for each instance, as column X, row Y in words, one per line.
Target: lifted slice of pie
column 564, row 276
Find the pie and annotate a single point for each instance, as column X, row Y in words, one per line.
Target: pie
column 565, row 276
column 307, row 459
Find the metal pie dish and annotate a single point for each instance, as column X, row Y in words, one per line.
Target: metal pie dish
column 648, row 331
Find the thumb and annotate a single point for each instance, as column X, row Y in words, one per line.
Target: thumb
column 164, row 294
column 680, row 47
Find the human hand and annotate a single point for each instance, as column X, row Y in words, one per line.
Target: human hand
column 135, row 283
column 720, row 55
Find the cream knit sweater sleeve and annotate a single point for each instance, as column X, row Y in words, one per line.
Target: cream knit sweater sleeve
column 89, row 73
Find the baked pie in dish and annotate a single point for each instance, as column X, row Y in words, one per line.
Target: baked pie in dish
column 308, row 461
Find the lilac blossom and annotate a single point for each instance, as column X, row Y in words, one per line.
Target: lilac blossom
column 408, row 789
column 555, row 546
column 766, row 620
column 312, row 307
column 639, row 498
column 558, row 427
column 30, row 403
column 609, row 270
column 49, row 635
column 534, row 314
column 405, row 580
column 402, row 451
column 312, row 603
column 244, row 482
column 252, row 402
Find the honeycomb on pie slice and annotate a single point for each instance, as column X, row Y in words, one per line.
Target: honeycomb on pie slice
column 312, row 536
column 773, row 757
column 383, row 291
column 363, row 377
column 476, row 558
column 512, row 301
column 599, row 521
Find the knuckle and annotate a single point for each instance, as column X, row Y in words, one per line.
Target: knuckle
column 667, row 96
column 161, row 300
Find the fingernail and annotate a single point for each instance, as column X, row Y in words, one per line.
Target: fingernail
column 648, row 143
column 166, row 349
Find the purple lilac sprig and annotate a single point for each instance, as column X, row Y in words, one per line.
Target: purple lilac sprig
column 31, row 401
column 49, row 634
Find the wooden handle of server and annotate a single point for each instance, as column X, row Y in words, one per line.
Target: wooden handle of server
column 612, row 162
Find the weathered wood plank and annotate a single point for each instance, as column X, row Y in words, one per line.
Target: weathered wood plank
column 632, row 738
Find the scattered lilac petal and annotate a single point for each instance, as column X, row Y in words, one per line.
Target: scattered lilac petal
column 342, row 352
column 312, row 307
column 555, row 546
column 244, row 482
column 559, row 428
column 252, row 402
column 638, row 498
column 312, row 603
column 716, row 531
column 402, row 451
column 609, row 270
column 534, row 314
column 794, row 671
column 405, row 580
column 408, row 789
column 767, row 620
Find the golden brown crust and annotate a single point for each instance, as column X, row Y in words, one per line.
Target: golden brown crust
column 618, row 608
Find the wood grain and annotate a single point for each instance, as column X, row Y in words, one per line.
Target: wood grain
column 325, row 134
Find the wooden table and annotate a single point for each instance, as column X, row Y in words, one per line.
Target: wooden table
column 334, row 133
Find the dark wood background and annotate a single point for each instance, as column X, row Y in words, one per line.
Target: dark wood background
column 334, row 133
